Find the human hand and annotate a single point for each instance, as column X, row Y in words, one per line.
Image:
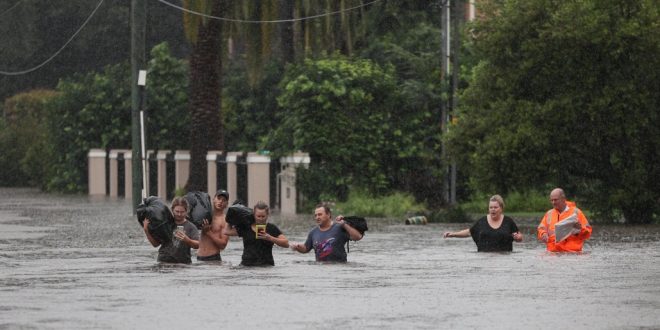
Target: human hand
column 517, row 236
column 145, row 224
column 577, row 225
column 340, row 219
column 544, row 238
column 206, row 226
column 180, row 235
column 446, row 234
column 264, row 235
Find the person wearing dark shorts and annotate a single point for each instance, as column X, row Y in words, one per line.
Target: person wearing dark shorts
column 212, row 238
column 216, row 257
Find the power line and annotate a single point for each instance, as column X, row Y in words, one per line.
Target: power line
column 10, row 8
column 17, row 73
column 258, row 22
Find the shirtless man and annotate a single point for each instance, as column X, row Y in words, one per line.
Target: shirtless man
column 212, row 239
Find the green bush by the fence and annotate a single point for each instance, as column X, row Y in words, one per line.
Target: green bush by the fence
column 394, row 205
column 529, row 201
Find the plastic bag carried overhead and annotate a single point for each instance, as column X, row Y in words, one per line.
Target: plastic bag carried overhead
column 161, row 220
column 199, row 207
column 239, row 215
column 359, row 223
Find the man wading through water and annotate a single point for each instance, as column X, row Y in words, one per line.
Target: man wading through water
column 328, row 239
column 213, row 240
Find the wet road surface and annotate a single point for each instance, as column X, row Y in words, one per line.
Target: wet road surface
column 74, row 262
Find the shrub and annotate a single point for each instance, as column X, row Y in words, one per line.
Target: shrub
column 397, row 204
column 528, row 201
column 24, row 139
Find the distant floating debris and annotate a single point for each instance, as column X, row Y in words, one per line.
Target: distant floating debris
column 417, row 220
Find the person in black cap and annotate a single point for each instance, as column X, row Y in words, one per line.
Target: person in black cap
column 212, row 239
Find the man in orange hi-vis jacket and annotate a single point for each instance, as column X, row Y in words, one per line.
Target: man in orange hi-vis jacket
column 564, row 228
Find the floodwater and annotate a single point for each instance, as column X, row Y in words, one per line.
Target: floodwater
column 73, row 262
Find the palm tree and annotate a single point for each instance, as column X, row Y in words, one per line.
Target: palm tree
column 291, row 41
column 204, row 101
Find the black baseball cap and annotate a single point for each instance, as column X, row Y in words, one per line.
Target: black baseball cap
column 222, row 193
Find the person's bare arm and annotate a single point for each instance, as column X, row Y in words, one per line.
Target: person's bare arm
column 353, row 233
column 151, row 239
column 462, row 233
column 215, row 233
column 300, row 247
column 229, row 230
column 279, row 240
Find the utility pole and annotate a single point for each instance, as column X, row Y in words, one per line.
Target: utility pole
column 138, row 62
column 458, row 18
column 450, row 66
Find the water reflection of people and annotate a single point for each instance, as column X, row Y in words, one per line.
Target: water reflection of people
column 212, row 238
column 563, row 210
column 258, row 245
column 177, row 250
column 493, row 232
column 328, row 239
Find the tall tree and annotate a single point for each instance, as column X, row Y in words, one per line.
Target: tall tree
column 204, row 101
column 257, row 41
column 566, row 93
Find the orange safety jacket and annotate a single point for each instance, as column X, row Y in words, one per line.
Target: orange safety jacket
column 574, row 242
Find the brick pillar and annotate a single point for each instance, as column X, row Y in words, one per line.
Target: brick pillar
column 258, row 172
column 128, row 174
column 232, row 185
column 114, row 172
column 96, row 171
column 162, row 173
column 287, row 181
column 182, row 168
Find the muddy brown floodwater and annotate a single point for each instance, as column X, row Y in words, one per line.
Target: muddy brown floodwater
column 74, row 262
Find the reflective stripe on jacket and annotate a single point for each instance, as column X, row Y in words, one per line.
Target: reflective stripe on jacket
column 574, row 242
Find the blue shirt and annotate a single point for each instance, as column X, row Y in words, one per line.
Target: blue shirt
column 328, row 245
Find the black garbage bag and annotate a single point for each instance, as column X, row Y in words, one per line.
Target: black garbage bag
column 199, row 207
column 161, row 220
column 239, row 215
column 358, row 223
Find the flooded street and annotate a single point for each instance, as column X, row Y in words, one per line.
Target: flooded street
column 72, row 262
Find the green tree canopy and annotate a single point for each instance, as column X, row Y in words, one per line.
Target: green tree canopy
column 338, row 110
column 24, row 139
column 93, row 111
column 566, row 93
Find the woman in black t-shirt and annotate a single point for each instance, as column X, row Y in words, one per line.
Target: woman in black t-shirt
column 494, row 232
column 259, row 238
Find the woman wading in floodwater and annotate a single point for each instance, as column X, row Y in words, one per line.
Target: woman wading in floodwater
column 493, row 233
column 185, row 237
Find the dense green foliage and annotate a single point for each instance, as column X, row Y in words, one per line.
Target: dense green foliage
column 405, row 35
column 250, row 109
column 341, row 112
column 515, row 201
column 24, row 139
column 93, row 111
column 566, row 93
column 362, row 203
column 554, row 93
column 167, row 96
